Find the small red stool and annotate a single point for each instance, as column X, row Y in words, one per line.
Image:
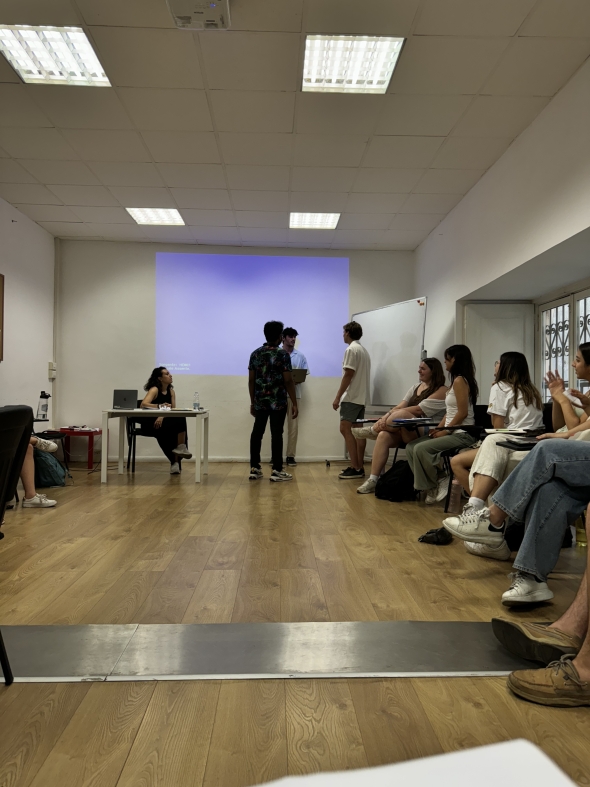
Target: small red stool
column 90, row 434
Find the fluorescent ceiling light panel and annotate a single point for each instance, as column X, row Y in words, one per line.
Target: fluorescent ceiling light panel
column 349, row 64
column 313, row 221
column 159, row 216
column 52, row 55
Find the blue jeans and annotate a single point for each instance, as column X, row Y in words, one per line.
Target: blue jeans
column 548, row 490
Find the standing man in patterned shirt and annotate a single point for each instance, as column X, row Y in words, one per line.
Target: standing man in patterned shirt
column 269, row 383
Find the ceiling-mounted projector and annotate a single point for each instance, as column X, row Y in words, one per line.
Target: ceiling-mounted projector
column 200, row 14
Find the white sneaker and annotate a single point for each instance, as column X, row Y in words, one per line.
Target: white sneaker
column 39, row 501
column 367, row 487
column 46, row 445
column 175, row 469
column 439, row 492
column 182, row 451
column 474, row 525
column 282, row 476
column 255, row 473
column 501, row 552
column 525, row 590
column 364, row 433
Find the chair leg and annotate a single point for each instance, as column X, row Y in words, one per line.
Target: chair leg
column 129, row 443
column 133, row 455
column 449, row 469
column 5, row 664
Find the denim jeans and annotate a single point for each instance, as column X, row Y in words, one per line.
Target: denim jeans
column 277, row 423
column 548, row 490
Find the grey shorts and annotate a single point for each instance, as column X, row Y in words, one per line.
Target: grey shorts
column 349, row 411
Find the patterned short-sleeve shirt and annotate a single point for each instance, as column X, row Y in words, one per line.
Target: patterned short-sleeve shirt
column 268, row 364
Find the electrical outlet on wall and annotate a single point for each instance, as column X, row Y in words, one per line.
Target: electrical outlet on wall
column 52, row 370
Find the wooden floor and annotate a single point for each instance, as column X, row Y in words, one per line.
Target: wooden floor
column 156, row 548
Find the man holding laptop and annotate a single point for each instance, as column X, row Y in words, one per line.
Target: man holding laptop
column 300, row 369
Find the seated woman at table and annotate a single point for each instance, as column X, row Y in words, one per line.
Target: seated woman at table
column 424, row 399
column 170, row 432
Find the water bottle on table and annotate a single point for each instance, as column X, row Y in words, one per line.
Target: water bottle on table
column 196, row 405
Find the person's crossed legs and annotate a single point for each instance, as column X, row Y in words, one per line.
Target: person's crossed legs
column 27, row 475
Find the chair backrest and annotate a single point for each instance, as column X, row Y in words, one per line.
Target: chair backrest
column 16, row 426
column 481, row 416
column 548, row 416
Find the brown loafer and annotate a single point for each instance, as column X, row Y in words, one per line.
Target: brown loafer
column 558, row 684
column 534, row 641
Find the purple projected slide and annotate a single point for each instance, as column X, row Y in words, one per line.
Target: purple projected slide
column 211, row 309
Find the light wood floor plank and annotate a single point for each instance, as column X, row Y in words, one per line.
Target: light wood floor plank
column 214, row 598
column 302, row 596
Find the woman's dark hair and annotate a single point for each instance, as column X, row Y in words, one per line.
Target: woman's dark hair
column 463, row 366
column 354, row 330
column 154, row 381
column 514, row 371
column 585, row 352
column 436, row 381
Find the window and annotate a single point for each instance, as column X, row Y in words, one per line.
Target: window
column 555, row 332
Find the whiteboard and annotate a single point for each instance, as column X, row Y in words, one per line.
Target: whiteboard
column 394, row 338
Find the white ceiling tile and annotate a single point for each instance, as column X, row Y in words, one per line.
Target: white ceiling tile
column 18, row 109
column 168, row 234
column 3, row 154
column 61, row 229
column 131, row 13
column 106, row 145
column 472, row 17
column 317, row 202
column 39, row 12
column 259, row 218
column 68, row 172
column 218, row 235
column 408, row 241
column 266, row 15
column 116, row 231
column 429, row 116
column 425, row 222
column 80, row 107
column 393, row 181
column 251, row 61
column 345, row 237
column 269, row 236
column 208, row 218
column 375, row 203
column 12, row 172
column 448, row 181
column 334, row 113
column 260, row 200
column 252, row 110
column 204, row 176
column 84, row 195
column 309, row 244
column 142, row 197
column 28, row 194
column 160, row 109
column 430, row 203
column 311, row 150
column 322, row 178
column 134, row 57
column 559, row 18
column 95, row 215
column 48, row 212
column 257, row 178
column 312, row 237
column 364, row 221
column 128, row 173
column 402, row 152
column 446, row 66
column 182, row 147
column 537, row 66
column 499, row 116
column 256, row 148
column 470, row 152
column 367, row 18
column 203, row 199
column 36, row 143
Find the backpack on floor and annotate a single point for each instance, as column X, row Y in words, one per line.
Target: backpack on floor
column 48, row 471
column 397, row 484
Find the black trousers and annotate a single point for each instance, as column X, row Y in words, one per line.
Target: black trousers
column 166, row 435
column 277, row 422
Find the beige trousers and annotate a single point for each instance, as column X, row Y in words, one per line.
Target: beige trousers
column 493, row 460
column 292, row 429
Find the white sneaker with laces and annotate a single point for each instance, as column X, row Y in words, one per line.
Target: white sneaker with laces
column 367, row 488
column 363, row 433
column 39, row 501
column 46, row 445
column 282, row 476
column 525, row 590
column 474, row 525
column 439, row 492
column 501, row 552
column 255, row 473
column 175, row 469
column 182, row 451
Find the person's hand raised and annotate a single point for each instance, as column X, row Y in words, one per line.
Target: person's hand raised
column 584, row 399
column 555, row 384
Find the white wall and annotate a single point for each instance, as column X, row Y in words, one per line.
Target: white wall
column 534, row 197
column 27, row 262
column 106, row 339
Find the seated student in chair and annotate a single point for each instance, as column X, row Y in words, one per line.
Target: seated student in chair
column 424, row 399
column 32, row 498
column 170, row 432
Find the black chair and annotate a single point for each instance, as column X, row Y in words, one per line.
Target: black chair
column 133, row 432
column 16, row 427
column 56, row 437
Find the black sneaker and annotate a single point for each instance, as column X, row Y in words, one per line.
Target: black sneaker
column 280, row 475
column 255, row 474
column 291, row 461
column 350, row 473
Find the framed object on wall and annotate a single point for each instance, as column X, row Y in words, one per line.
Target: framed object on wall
column 1, row 316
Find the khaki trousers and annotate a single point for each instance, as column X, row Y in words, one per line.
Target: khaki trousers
column 292, row 429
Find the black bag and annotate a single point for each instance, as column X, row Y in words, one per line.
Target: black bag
column 48, row 471
column 397, row 484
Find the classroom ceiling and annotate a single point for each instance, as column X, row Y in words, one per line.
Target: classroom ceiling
column 215, row 123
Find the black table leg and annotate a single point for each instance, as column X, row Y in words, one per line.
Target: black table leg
column 5, row 664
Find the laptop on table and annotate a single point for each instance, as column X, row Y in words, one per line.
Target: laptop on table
column 124, row 400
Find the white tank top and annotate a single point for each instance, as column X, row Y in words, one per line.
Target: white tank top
column 452, row 409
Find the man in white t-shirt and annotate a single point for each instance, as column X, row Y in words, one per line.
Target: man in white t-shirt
column 352, row 397
column 298, row 361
